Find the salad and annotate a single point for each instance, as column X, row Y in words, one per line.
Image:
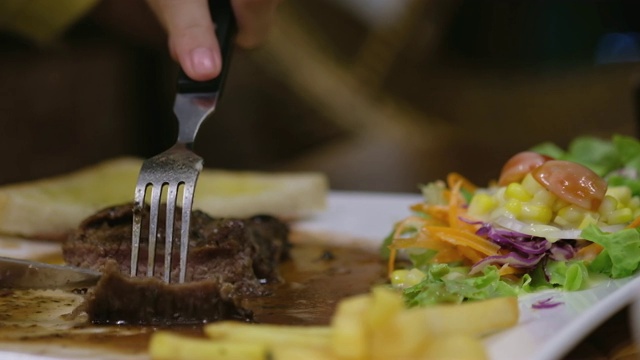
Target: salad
column 554, row 218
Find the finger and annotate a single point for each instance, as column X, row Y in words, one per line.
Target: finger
column 254, row 17
column 192, row 40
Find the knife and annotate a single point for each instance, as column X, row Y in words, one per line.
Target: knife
column 27, row 274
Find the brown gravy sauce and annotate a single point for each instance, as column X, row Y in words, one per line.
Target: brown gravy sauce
column 316, row 277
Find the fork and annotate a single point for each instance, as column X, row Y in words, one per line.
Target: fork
column 179, row 167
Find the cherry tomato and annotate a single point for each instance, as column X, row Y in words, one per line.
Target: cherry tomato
column 515, row 169
column 572, row 182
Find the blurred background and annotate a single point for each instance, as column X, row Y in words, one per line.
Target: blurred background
column 380, row 95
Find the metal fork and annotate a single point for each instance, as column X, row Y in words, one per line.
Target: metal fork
column 179, row 166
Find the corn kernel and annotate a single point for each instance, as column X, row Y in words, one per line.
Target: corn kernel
column 572, row 213
column 531, row 185
column 514, row 207
column 621, row 193
column 499, row 196
column 589, row 218
column 536, row 213
column 544, row 198
column 516, row 191
column 482, row 204
column 414, row 277
column 562, row 222
column 620, row 216
column 559, row 204
column 399, row 277
column 608, row 205
column 404, row 278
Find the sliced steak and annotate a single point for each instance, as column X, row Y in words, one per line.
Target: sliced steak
column 229, row 260
column 120, row 299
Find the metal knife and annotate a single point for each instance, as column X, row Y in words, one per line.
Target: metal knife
column 27, row 274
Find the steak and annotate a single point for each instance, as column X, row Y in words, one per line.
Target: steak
column 229, row 261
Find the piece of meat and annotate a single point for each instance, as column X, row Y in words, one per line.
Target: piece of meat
column 120, row 299
column 229, row 260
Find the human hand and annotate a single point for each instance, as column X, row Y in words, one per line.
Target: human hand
column 192, row 40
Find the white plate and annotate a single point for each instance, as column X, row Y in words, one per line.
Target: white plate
column 540, row 335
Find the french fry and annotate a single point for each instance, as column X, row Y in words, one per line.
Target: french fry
column 454, row 347
column 285, row 352
column 475, row 318
column 374, row 326
column 387, row 325
column 270, row 335
column 169, row 346
column 349, row 330
column 385, row 304
column 412, row 331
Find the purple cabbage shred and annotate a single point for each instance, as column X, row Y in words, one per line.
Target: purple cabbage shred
column 524, row 251
column 546, row 304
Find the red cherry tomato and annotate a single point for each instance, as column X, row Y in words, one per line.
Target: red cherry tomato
column 572, row 182
column 515, row 169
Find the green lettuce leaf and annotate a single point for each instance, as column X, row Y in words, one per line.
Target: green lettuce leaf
column 570, row 276
column 628, row 150
column 599, row 155
column 549, row 149
column 422, row 258
column 384, row 250
column 621, row 255
column 448, row 284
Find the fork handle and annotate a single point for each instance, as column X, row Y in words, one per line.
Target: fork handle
column 225, row 24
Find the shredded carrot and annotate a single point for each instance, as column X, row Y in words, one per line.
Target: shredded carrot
column 436, row 212
column 440, row 213
column 410, row 224
column 407, row 243
column 454, row 204
column 391, row 265
column 464, row 238
column 508, row 270
column 458, row 210
column 420, row 207
column 467, row 185
column 422, row 241
column 634, row 224
column 446, row 194
column 589, row 252
column 472, row 255
column 448, row 255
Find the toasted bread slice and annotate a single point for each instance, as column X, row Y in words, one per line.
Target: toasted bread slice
column 51, row 207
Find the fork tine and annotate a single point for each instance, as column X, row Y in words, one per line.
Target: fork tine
column 187, row 202
column 138, row 205
column 156, row 193
column 172, row 193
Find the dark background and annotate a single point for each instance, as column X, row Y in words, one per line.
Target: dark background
column 444, row 86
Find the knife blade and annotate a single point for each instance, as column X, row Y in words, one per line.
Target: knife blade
column 28, row 274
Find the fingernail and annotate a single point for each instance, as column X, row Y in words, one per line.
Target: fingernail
column 203, row 61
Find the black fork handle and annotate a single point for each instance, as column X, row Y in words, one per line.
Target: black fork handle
column 225, row 25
